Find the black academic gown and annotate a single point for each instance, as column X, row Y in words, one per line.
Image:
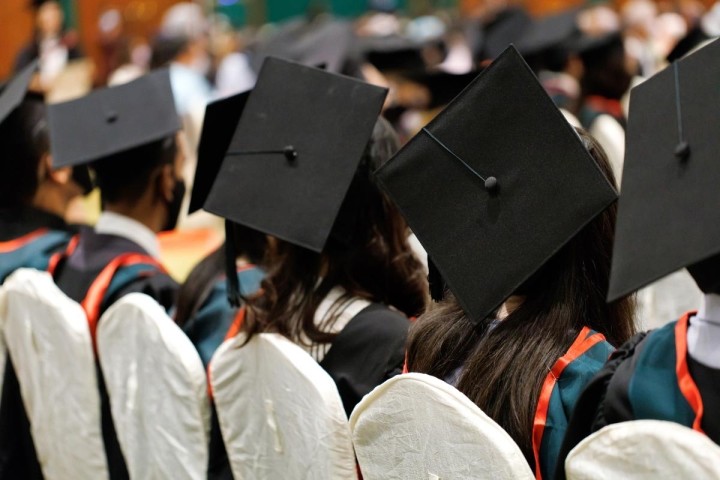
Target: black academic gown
column 15, row 223
column 368, row 351
column 641, row 381
column 94, row 251
column 75, row 275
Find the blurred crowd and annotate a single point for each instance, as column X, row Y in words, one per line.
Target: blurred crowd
column 587, row 58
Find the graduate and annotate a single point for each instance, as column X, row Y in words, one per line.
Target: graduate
column 605, row 78
column 34, row 196
column 128, row 135
column 516, row 210
column 203, row 309
column 52, row 44
column 667, row 220
column 342, row 279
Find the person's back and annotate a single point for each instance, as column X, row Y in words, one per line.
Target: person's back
column 34, row 197
column 519, row 268
column 667, row 221
column 128, row 134
column 338, row 260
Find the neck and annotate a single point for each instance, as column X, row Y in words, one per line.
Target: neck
column 149, row 217
column 710, row 308
column 51, row 200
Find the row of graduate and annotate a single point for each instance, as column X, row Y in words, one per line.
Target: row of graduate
column 531, row 262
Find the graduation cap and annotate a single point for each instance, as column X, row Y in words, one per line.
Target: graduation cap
column 15, row 90
column 694, row 37
column 508, row 26
column 294, row 154
column 442, row 86
column 113, row 120
column 219, row 124
column 552, row 31
column 668, row 216
column 495, row 185
column 326, row 42
column 396, row 56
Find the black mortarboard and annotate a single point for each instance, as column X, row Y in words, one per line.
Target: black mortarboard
column 295, row 152
column 443, row 86
column 592, row 46
column 495, row 185
column 668, row 215
column 548, row 32
column 326, row 42
column 694, row 37
column 15, row 90
column 396, row 55
column 507, row 27
column 113, row 120
column 219, row 124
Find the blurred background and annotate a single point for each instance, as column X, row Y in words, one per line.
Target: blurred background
column 587, row 54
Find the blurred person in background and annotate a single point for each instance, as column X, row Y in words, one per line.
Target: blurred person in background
column 233, row 73
column 51, row 43
column 183, row 45
column 34, row 196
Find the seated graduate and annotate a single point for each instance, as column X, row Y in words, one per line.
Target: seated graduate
column 34, row 196
column 519, row 225
column 341, row 277
column 128, row 135
column 667, row 220
column 203, row 309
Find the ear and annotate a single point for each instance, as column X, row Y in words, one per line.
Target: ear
column 166, row 182
column 61, row 176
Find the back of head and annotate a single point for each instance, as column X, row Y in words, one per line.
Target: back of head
column 24, row 140
column 165, row 48
column 367, row 255
column 605, row 69
column 125, row 176
column 504, row 363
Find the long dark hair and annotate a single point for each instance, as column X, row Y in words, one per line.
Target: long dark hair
column 503, row 367
column 249, row 244
column 367, row 254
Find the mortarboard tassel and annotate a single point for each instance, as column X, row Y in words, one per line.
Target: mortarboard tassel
column 682, row 149
column 233, row 284
column 490, row 183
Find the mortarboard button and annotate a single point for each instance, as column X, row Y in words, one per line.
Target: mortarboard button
column 290, row 153
column 111, row 116
column 682, row 151
column 491, row 184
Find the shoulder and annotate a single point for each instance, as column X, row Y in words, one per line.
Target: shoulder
column 145, row 278
column 379, row 321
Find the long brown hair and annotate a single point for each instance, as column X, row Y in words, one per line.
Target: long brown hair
column 367, row 254
column 503, row 367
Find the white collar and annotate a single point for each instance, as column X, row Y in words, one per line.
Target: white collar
column 710, row 308
column 111, row 223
